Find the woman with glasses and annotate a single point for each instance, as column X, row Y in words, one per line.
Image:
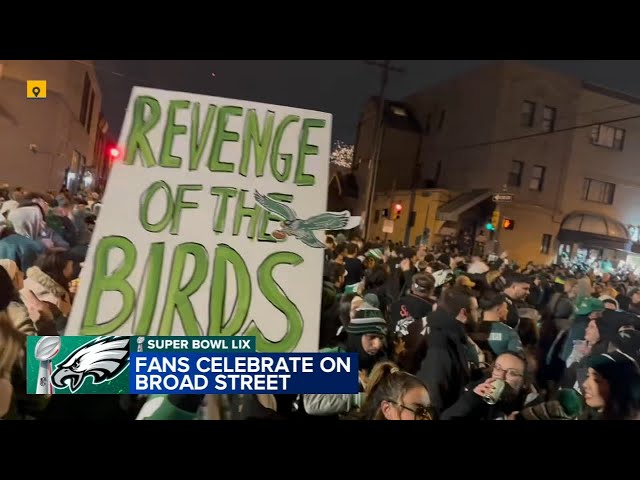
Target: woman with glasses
column 392, row 394
column 498, row 397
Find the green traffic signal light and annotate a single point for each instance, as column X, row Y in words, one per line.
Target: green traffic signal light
column 489, row 226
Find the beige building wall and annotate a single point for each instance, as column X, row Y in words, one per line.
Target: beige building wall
column 427, row 202
column 482, row 112
column 459, row 113
column 525, row 242
column 53, row 124
column 474, row 133
column 603, row 164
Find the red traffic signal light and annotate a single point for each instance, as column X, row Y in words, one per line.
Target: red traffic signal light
column 508, row 224
column 114, row 152
column 397, row 208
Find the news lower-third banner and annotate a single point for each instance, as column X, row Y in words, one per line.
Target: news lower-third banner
column 163, row 365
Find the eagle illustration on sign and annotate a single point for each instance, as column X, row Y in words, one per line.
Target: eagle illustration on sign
column 302, row 229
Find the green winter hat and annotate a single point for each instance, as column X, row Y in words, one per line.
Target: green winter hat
column 588, row 305
column 367, row 320
column 353, row 288
column 375, row 253
column 571, row 401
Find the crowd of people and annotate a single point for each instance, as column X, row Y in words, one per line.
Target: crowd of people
column 480, row 339
column 439, row 335
column 43, row 241
column 442, row 336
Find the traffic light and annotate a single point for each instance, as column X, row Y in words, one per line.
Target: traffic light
column 490, row 227
column 114, row 152
column 508, row 224
column 495, row 219
column 397, row 209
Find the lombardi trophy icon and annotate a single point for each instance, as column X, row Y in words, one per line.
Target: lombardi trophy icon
column 46, row 349
column 140, row 342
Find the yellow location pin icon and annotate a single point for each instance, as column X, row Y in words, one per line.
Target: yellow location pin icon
column 36, row 89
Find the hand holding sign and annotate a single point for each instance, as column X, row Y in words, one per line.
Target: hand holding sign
column 37, row 309
column 73, row 286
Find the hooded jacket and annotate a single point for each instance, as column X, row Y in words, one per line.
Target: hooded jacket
column 445, row 370
column 27, row 220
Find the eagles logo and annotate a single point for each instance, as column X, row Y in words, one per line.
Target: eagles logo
column 102, row 359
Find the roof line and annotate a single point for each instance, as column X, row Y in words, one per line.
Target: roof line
column 593, row 87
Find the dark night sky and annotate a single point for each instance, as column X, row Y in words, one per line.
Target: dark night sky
column 339, row 87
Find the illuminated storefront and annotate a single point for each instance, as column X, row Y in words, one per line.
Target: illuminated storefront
column 585, row 235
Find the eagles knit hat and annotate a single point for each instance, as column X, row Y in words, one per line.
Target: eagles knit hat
column 589, row 305
column 375, row 253
column 627, row 341
column 353, row 288
column 372, row 299
column 367, row 320
column 616, row 367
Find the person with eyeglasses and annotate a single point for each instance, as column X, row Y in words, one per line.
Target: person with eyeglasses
column 392, row 394
column 509, row 367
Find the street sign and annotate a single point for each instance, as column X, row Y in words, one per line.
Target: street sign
column 503, row 197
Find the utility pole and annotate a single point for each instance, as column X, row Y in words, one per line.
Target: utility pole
column 391, row 209
column 415, row 180
column 495, row 235
column 385, row 67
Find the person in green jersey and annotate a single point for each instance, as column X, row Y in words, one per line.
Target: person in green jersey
column 492, row 335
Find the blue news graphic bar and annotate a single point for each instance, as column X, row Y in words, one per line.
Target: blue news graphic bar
column 251, row 373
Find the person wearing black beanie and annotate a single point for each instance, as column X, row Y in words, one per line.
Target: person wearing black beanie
column 612, row 386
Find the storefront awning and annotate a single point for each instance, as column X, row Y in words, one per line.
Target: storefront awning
column 452, row 210
column 594, row 230
column 448, row 229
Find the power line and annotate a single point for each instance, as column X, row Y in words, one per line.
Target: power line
column 123, row 76
column 539, row 134
column 387, row 67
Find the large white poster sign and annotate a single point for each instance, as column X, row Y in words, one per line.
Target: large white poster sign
column 213, row 223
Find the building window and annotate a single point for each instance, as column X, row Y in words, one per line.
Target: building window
column 90, row 114
column 545, row 246
column 537, row 178
column 443, row 114
column 515, row 175
column 609, row 137
column 548, row 119
column 597, row 191
column 527, row 114
column 85, row 99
